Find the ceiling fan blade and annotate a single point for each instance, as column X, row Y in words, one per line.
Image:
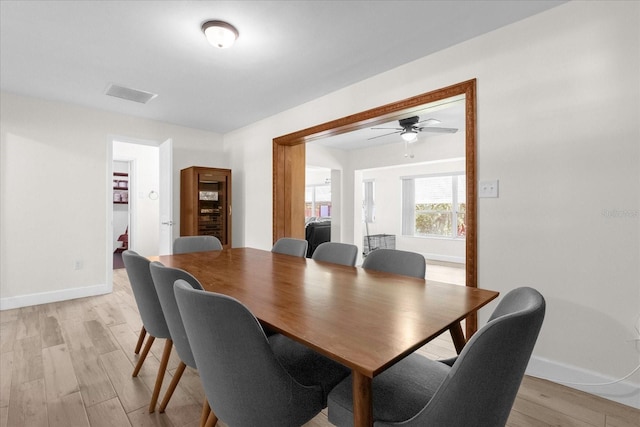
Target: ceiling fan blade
column 428, row 122
column 380, row 136
column 398, row 129
column 437, row 130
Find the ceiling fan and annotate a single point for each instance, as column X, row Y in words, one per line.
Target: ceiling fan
column 410, row 127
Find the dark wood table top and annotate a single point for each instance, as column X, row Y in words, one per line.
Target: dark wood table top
column 366, row 320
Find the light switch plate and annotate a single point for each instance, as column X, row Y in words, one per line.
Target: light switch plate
column 488, row 189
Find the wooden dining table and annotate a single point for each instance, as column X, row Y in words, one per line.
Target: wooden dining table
column 364, row 319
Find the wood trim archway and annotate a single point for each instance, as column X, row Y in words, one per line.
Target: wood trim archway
column 289, row 166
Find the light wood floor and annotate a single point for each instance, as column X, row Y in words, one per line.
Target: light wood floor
column 69, row 364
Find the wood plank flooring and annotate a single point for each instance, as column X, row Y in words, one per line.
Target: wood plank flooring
column 69, row 364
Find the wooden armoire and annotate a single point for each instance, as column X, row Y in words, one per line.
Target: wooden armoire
column 205, row 203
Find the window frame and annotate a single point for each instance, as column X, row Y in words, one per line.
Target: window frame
column 409, row 205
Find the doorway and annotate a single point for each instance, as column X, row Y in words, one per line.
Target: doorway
column 149, row 207
column 121, row 219
column 289, row 160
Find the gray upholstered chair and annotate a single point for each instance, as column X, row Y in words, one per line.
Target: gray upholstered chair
column 337, row 253
column 151, row 314
column 163, row 279
column 249, row 379
column 290, row 246
column 477, row 388
column 185, row 244
column 396, row 261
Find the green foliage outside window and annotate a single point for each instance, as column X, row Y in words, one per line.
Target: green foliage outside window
column 436, row 219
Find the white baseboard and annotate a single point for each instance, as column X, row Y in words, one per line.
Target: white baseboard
column 53, row 296
column 625, row 392
column 444, row 258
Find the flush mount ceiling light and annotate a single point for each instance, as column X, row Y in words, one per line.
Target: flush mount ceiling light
column 220, row 34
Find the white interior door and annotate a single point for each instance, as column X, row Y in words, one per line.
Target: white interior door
column 166, row 198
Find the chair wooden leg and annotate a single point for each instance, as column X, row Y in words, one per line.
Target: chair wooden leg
column 206, row 410
column 143, row 356
column 172, row 387
column 143, row 333
column 161, row 370
column 212, row 420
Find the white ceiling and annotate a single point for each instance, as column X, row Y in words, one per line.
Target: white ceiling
column 288, row 53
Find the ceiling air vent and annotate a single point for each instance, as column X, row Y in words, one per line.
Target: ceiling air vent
column 130, row 94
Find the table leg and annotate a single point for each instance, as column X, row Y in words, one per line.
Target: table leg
column 458, row 337
column 362, row 404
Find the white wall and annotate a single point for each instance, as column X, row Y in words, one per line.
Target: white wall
column 56, row 191
column 558, row 105
column 316, row 176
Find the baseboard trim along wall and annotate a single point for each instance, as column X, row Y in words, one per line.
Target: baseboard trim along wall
column 54, row 296
column 625, row 391
column 444, row 258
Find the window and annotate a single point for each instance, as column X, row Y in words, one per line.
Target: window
column 434, row 206
column 317, row 201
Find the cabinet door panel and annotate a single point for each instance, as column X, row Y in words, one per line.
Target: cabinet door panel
column 205, row 202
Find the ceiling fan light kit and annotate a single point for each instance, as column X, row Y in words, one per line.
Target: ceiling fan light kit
column 409, row 135
column 220, row 34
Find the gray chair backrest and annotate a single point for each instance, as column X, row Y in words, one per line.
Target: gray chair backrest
column 337, row 253
column 396, row 261
column 163, row 279
column 186, row 244
column 291, row 246
column 243, row 381
column 145, row 294
column 482, row 385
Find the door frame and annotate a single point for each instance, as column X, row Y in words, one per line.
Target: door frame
column 166, row 203
column 289, row 167
column 165, row 173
